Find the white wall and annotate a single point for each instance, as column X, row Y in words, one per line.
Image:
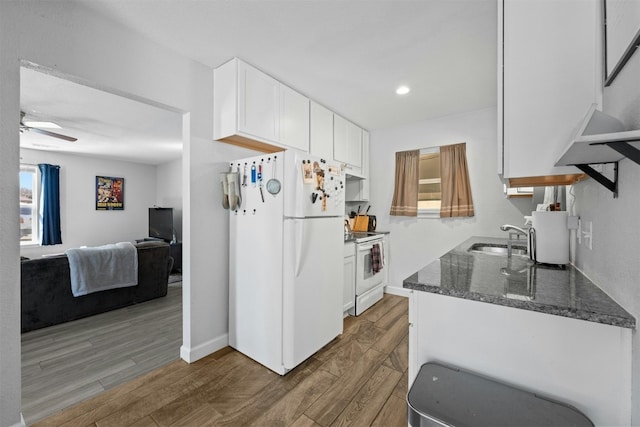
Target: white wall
column 613, row 261
column 80, row 222
column 416, row 242
column 10, row 382
column 67, row 39
column 169, row 191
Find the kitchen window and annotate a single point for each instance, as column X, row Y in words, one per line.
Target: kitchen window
column 429, row 183
column 29, row 205
column 432, row 183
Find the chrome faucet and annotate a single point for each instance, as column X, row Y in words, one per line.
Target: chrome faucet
column 517, row 232
column 507, row 227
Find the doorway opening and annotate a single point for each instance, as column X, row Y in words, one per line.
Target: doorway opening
column 117, row 135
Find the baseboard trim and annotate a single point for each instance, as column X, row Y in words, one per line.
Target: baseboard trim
column 22, row 422
column 193, row 354
column 402, row 292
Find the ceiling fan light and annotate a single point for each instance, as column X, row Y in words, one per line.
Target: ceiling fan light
column 44, row 125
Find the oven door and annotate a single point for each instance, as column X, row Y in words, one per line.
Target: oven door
column 365, row 278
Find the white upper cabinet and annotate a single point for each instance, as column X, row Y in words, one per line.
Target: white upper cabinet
column 347, row 144
column 546, row 83
column 294, row 119
column 258, row 96
column 321, row 131
column 254, row 110
column 340, row 139
column 364, row 184
column 357, row 189
column 354, row 144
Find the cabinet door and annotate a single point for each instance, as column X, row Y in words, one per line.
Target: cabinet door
column 258, row 96
column 354, row 145
column 321, row 132
column 340, row 129
column 349, row 290
column 364, row 184
column 294, row 119
column 550, row 61
column 347, row 143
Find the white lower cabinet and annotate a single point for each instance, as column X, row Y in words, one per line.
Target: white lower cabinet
column 584, row 364
column 349, row 284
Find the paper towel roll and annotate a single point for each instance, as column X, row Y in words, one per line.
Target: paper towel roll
column 552, row 236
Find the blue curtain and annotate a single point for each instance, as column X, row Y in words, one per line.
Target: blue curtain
column 50, row 204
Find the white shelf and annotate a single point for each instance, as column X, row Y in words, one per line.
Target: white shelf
column 591, row 143
column 592, row 149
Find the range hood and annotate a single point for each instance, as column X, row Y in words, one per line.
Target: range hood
column 601, row 138
column 350, row 174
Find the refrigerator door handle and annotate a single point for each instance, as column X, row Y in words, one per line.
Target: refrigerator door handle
column 299, row 244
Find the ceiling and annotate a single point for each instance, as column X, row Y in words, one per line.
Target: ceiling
column 106, row 125
column 349, row 55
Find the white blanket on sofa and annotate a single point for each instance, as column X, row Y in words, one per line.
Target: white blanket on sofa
column 102, row 267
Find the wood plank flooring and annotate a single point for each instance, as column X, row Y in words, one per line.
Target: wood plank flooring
column 360, row 379
column 65, row 364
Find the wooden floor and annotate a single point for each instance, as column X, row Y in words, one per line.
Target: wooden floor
column 65, row 364
column 358, row 379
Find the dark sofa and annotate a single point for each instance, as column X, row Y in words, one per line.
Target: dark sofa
column 46, row 288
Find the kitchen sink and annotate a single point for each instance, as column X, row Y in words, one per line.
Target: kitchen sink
column 498, row 249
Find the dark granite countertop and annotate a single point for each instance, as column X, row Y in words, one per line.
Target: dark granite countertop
column 519, row 283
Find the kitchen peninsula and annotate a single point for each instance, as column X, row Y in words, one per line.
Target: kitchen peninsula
column 541, row 328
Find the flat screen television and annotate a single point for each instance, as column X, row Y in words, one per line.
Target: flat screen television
column 161, row 223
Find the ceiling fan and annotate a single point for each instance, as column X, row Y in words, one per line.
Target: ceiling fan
column 25, row 128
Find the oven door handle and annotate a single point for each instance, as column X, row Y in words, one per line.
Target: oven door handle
column 362, row 248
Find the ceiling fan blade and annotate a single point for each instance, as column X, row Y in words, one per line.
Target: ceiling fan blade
column 53, row 134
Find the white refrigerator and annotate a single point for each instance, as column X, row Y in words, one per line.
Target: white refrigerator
column 286, row 260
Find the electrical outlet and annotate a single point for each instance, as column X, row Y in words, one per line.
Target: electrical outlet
column 579, row 231
column 587, row 233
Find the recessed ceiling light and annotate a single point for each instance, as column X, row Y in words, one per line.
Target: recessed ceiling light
column 403, row 90
column 43, row 125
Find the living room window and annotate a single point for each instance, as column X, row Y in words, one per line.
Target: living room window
column 29, row 205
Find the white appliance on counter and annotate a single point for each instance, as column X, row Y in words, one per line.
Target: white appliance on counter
column 369, row 283
column 286, row 258
column 550, row 237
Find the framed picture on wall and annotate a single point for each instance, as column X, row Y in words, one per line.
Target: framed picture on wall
column 109, row 193
column 621, row 35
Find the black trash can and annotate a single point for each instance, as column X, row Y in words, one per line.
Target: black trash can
column 447, row 396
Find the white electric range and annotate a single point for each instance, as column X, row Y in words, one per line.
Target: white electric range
column 369, row 283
